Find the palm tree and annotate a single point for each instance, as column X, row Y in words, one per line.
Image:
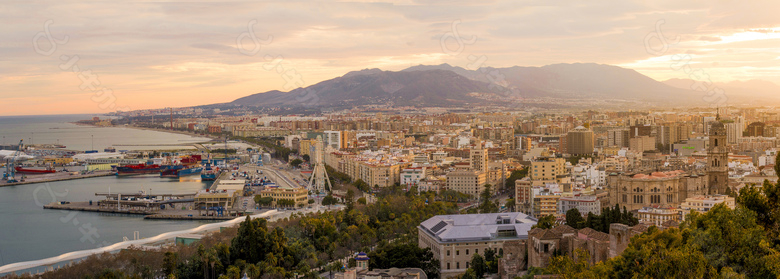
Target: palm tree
column 252, row 271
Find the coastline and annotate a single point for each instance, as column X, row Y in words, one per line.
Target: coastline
column 191, row 134
column 213, row 138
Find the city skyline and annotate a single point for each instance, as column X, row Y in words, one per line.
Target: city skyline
column 155, row 55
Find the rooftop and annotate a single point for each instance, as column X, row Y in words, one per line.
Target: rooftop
column 477, row 227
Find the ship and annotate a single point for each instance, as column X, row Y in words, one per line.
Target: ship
column 176, row 173
column 20, row 169
column 138, row 169
column 209, row 174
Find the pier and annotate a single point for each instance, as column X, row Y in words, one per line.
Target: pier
column 60, row 176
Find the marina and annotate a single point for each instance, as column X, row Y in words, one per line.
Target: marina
column 28, row 231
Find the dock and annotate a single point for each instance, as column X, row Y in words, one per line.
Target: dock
column 84, row 206
column 62, row 176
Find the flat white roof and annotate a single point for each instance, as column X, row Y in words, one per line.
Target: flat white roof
column 230, row 186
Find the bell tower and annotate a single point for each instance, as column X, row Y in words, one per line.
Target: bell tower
column 717, row 159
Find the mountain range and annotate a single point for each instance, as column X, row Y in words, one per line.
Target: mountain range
column 446, row 85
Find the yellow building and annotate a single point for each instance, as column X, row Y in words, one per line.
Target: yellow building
column 469, row 182
column 299, row 195
column 305, row 147
column 374, row 173
column 225, row 194
column 546, row 204
column 547, row 169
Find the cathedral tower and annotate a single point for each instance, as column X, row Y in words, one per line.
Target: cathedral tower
column 717, row 159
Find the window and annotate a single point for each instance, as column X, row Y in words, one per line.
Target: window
column 546, row 248
column 467, row 252
column 448, row 252
column 457, row 252
column 448, row 265
column 457, row 265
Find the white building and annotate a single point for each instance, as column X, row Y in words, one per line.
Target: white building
column 703, row 204
column 412, row 176
column 583, row 203
column 332, row 139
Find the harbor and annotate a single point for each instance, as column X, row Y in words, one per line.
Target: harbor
column 29, row 230
column 214, row 203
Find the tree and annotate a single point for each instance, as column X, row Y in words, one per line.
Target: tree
column 264, row 201
column 329, row 200
column 574, row 219
column 545, row 222
column 361, row 200
column 362, row 185
column 514, row 176
column 170, row 263
column 306, row 157
column 296, row 163
column 491, row 260
column 404, row 254
column 478, row 264
column 510, row 204
column 487, row 205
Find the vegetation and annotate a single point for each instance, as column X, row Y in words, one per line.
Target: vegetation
column 723, row 243
column 452, row 196
column 287, row 248
column 329, row 200
column 264, row 201
column 486, row 205
column 296, row 163
column 545, row 222
column 600, row 222
column 515, row 175
column 337, row 176
column 404, row 254
column 361, row 185
column 480, row 265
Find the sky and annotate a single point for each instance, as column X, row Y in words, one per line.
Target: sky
column 59, row 57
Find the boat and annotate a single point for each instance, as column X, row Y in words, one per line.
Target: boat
column 176, row 173
column 20, row 169
column 209, row 174
column 138, row 169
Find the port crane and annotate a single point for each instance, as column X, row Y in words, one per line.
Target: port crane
column 10, row 165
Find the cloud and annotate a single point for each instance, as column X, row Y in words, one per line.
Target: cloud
column 709, row 38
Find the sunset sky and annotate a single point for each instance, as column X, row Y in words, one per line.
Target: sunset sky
column 174, row 54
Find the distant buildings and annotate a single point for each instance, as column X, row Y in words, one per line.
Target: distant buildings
column 580, row 141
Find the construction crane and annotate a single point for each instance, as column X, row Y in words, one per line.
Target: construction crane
column 10, row 166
